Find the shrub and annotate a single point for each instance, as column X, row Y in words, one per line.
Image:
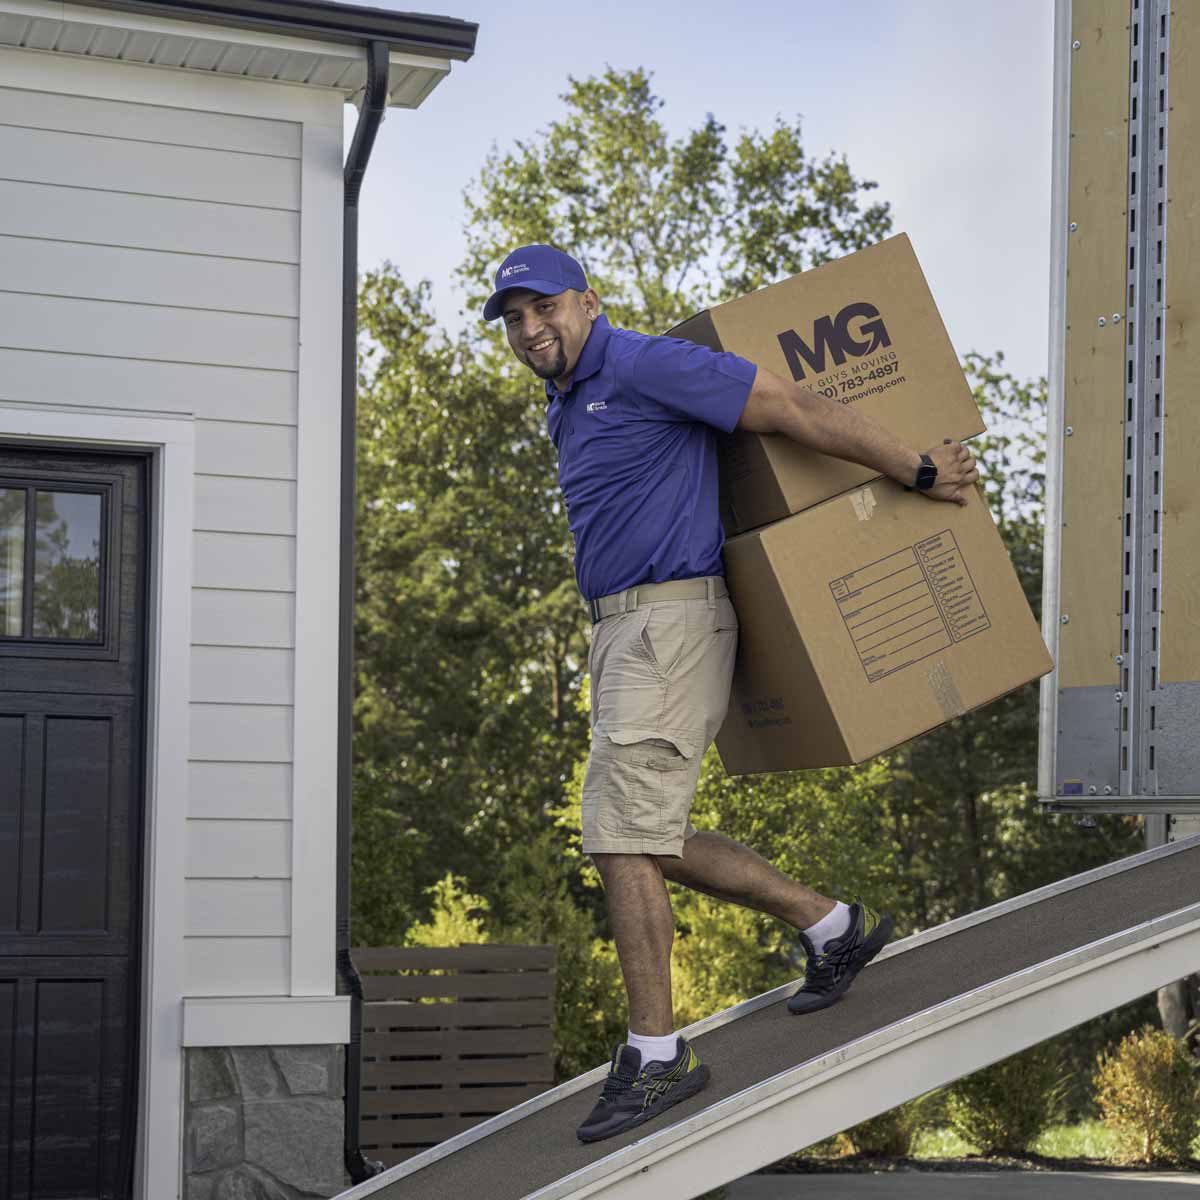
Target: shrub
column 458, row 917
column 1003, row 1108
column 892, row 1134
column 1148, row 1096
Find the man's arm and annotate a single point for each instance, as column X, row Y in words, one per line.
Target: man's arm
column 840, row 430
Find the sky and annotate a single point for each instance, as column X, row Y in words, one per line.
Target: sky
column 946, row 104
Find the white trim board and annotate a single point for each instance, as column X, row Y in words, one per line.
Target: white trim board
column 168, row 636
column 266, row 1021
column 318, row 538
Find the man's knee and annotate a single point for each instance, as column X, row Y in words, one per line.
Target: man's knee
column 616, row 868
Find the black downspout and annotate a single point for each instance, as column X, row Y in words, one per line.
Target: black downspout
column 369, row 117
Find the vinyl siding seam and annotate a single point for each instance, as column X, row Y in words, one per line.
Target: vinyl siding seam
column 143, row 141
column 177, row 362
column 112, row 191
column 155, row 304
column 77, row 241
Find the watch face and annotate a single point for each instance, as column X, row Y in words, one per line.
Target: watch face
column 926, row 477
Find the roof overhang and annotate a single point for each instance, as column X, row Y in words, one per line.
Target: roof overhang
column 308, row 42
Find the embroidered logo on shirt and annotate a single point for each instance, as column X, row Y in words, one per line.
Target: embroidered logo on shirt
column 596, row 406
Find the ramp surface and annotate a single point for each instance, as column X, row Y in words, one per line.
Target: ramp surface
column 534, row 1146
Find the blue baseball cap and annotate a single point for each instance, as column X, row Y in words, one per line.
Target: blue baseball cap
column 537, row 268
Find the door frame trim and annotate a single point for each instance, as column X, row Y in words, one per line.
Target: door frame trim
column 170, row 442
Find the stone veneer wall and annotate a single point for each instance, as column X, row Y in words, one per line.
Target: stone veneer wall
column 264, row 1123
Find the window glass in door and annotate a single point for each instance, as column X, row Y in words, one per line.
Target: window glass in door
column 12, row 560
column 51, row 566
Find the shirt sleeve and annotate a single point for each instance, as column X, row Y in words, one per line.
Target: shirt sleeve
column 693, row 381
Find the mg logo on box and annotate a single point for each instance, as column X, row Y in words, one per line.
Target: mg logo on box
column 834, row 336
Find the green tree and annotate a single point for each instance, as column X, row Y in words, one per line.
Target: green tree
column 469, row 637
column 664, row 226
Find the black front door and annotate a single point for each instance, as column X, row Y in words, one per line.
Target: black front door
column 72, row 660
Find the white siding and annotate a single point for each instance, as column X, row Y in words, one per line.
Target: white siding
column 196, row 335
column 117, row 164
column 240, row 448
column 40, row 266
column 149, row 222
column 150, row 260
column 30, row 377
column 240, row 790
column 242, row 675
column 240, row 849
column 260, row 562
column 236, row 966
column 238, row 907
column 227, row 617
column 233, row 504
column 241, row 732
column 212, row 131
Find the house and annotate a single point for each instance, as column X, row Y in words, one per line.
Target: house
column 177, row 256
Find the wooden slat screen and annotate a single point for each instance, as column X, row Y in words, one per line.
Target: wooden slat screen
column 451, row 1036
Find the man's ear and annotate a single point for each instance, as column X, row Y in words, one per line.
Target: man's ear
column 591, row 303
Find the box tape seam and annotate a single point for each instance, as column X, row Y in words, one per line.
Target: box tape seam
column 945, row 691
column 863, row 503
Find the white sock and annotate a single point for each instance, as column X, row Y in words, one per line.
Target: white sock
column 832, row 925
column 653, row 1049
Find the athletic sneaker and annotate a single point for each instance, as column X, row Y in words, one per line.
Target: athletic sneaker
column 635, row 1092
column 828, row 976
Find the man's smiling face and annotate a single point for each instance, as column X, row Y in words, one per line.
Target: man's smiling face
column 547, row 333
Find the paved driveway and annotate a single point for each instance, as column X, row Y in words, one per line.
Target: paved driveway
column 964, row 1185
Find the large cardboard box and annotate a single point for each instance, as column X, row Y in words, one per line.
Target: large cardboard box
column 867, row 620
column 863, row 330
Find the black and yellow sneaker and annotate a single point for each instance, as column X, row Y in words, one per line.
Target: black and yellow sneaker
column 635, row 1092
column 828, row 976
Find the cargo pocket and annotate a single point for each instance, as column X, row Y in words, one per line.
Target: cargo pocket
column 653, row 776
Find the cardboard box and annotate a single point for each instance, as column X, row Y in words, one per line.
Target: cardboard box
column 867, row 620
column 863, row 330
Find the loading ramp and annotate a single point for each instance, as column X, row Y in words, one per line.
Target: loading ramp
column 931, row 1008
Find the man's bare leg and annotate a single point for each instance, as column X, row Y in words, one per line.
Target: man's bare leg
column 639, row 911
column 721, row 867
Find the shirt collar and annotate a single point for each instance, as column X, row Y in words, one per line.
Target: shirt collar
column 591, row 357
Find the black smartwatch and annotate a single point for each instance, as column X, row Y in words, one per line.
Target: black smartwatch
column 926, row 475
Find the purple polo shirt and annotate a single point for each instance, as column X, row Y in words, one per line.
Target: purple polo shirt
column 636, row 434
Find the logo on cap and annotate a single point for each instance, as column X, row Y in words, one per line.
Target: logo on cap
column 509, row 271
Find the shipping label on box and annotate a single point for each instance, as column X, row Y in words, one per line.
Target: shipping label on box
column 909, row 605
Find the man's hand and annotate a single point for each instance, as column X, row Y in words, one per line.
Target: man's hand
column 956, row 472
column 840, row 430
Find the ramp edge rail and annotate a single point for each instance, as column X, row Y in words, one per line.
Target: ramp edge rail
column 627, row 1173
column 776, row 995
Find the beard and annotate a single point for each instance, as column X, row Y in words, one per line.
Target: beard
column 553, row 368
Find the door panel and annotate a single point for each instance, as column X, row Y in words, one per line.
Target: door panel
column 72, row 662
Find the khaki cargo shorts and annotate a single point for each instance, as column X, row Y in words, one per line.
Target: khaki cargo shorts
column 660, row 680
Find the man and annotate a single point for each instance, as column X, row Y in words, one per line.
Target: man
column 634, row 419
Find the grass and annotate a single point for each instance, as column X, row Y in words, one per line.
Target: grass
column 1087, row 1139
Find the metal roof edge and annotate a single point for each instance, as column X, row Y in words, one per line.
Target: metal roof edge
column 349, row 23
